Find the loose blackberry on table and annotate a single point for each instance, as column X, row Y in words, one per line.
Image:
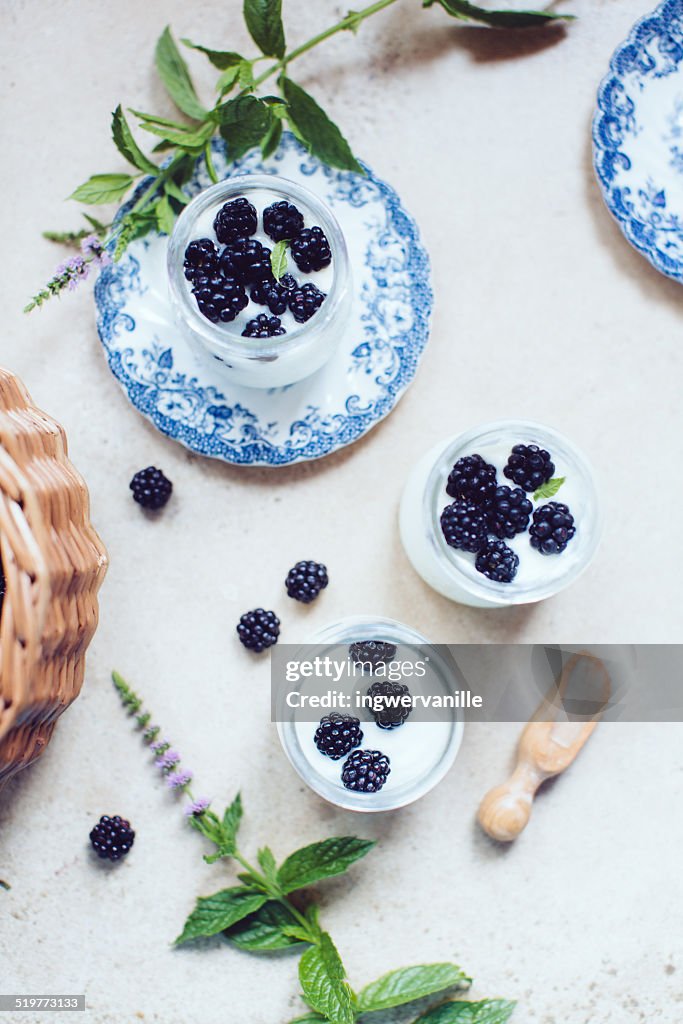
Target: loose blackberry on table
column 273, row 294
column 304, row 301
column 305, row 581
column 247, row 260
column 497, row 561
column 264, row 326
column 337, row 734
column 463, row 524
column 365, row 771
column 236, row 219
column 392, row 713
column 151, row 489
column 472, row 478
column 282, row 220
column 552, row 528
column 112, row 838
column 220, row 299
column 258, row 629
column 529, row 466
column 201, row 256
column 509, row 512
column 311, row 250
column 372, row 653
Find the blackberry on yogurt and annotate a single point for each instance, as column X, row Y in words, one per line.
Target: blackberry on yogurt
column 311, row 250
column 235, row 219
column 529, row 466
column 390, row 703
column 304, row 301
column 201, row 256
column 337, row 734
column 282, row 220
column 247, row 260
column 509, row 512
column 464, row 525
column 552, row 528
column 365, row 771
column 473, row 478
column 371, row 653
column 273, row 294
column 264, row 326
column 497, row 561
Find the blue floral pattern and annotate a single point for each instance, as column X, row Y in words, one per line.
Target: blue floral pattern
column 186, row 396
column 638, row 148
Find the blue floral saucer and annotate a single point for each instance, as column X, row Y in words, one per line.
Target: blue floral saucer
column 186, row 395
column 638, row 137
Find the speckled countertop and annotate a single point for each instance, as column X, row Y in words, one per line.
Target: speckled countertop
column 543, row 312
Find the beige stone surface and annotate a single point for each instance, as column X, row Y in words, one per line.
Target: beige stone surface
column 544, row 312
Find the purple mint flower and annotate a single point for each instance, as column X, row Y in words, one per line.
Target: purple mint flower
column 169, row 759
column 160, row 746
column 197, row 807
column 178, row 780
column 94, row 251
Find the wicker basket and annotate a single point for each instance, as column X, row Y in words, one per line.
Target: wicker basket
column 54, row 563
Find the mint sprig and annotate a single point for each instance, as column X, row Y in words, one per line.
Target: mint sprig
column 550, row 488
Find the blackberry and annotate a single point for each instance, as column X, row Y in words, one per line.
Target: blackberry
column 529, row 466
column 258, row 629
column 509, row 512
column 273, row 294
column 337, row 734
column 497, row 561
column 200, row 256
column 304, row 301
column 310, row 250
column 264, row 326
column 463, row 524
column 219, row 298
column 282, row 220
column 112, row 838
column 247, row 260
column 371, row 653
column 365, row 771
column 473, row 478
column 391, row 711
column 552, row 528
column 305, row 581
column 237, row 219
column 151, row 488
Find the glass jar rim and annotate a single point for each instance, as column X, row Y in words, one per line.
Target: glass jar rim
column 219, row 337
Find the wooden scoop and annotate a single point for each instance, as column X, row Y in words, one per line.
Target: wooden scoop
column 548, row 745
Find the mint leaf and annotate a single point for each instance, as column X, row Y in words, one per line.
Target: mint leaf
column 278, row 257
column 154, row 119
column 311, row 123
column 175, row 192
column 264, row 931
column 264, row 21
column 268, row 866
column 231, row 821
column 164, row 215
column 410, row 983
column 194, row 138
column 322, row 975
column 321, row 860
column 102, row 188
column 244, row 121
column 271, row 140
column 126, row 144
column 465, row 11
column 227, row 80
column 175, row 76
column 487, row 1011
column 221, row 59
column 550, row 488
column 214, row 914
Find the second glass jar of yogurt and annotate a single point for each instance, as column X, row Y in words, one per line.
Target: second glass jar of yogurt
column 500, row 543
column 221, row 247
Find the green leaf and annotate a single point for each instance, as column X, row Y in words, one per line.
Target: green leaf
column 465, row 11
column 321, row 860
column 227, row 80
column 175, row 192
column 487, row 1011
column 95, row 224
column 195, row 138
column 71, row 238
column 312, row 124
column 221, row 59
column 102, row 188
column 231, row 820
column 244, row 122
column 164, row 215
column 410, row 983
column 278, row 263
column 245, row 75
column 214, row 914
column 154, row 119
column 126, row 144
column 264, row 931
column 175, row 76
column 264, row 21
column 549, row 488
column 323, row 984
column 271, row 140
column 268, row 866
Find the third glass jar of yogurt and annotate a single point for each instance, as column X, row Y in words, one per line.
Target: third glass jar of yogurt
column 506, row 513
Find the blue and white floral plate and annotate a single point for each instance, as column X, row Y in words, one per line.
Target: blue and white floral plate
column 638, row 137
column 186, row 395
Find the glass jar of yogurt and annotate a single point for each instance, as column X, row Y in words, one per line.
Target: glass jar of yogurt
column 452, row 571
column 418, row 753
column 303, row 347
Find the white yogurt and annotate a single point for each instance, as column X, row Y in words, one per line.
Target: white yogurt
column 452, row 572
